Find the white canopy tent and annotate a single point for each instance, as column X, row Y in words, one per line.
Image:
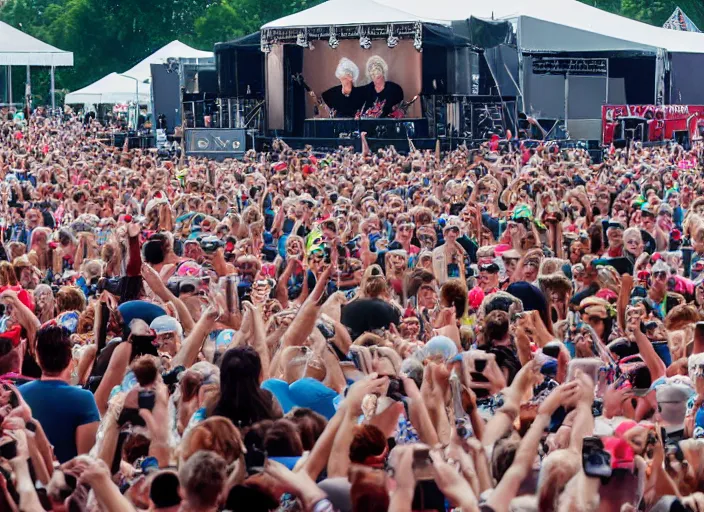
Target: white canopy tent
column 615, row 32
column 135, row 82
column 175, row 49
column 20, row 49
column 113, row 88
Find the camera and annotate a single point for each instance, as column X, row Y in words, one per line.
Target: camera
column 596, row 461
column 210, row 244
column 181, row 285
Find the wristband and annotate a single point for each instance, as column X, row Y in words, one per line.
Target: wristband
column 323, row 505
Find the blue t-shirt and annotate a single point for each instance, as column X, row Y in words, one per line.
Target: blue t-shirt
column 60, row 409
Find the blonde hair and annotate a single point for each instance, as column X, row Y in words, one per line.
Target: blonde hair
column 556, row 471
column 376, row 63
column 551, row 266
column 633, row 232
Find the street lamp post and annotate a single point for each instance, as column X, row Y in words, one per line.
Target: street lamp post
column 136, row 100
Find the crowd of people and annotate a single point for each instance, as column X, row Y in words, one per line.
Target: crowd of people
column 493, row 329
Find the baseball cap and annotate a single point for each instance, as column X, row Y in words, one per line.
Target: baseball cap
column 622, row 456
column 165, row 324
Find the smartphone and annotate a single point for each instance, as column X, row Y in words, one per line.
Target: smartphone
column 131, row 416
column 596, row 461
column 423, row 465
column 699, row 333
column 396, row 391
column 231, row 293
column 146, row 400
column 14, row 401
column 8, row 451
column 428, row 496
column 143, row 344
column 255, row 460
column 552, row 350
column 479, row 365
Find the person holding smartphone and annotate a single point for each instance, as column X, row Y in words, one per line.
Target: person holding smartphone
column 68, row 414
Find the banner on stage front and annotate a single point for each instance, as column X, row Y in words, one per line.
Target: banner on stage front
column 651, row 123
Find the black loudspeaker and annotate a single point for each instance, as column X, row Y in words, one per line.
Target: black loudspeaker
column 240, row 73
column 620, row 143
column 434, row 70
column 682, row 138
column 166, row 96
column 208, row 82
column 597, row 156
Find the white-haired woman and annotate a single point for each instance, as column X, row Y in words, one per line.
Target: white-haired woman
column 381, row 95
column 345, row 99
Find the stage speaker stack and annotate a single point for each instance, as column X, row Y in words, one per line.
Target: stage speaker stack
column 166, row 96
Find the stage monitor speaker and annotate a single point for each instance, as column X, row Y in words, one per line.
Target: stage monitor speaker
column 166, row 96
column 682, row 138
column 620, row 143
column 597, row 156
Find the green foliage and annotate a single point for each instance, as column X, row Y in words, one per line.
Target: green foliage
column 113, row 35
column 655, row 12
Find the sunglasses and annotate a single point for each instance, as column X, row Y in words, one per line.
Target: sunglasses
column 660, row 275
column 454, row 230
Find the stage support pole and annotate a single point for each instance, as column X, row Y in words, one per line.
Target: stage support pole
column 28, row 92
column 567, row 97
column 53, row 89
column 9, row 81
column 607, row 81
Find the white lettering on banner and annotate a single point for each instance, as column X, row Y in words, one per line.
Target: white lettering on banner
column 677, row 109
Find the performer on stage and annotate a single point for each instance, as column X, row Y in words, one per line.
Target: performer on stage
column 345, row 100
column 381, row 95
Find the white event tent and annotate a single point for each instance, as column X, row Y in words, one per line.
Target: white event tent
column 20, row 49
column 601, row 30
column 135, row 82
column 113, row 88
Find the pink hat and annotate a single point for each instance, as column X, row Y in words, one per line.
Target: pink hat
column 622, row 456
column 501, row 248
column 475, row 297
column 607, row 294
column 190, row 269
column 624, row 427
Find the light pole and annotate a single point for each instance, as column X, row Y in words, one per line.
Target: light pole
column 136, row 98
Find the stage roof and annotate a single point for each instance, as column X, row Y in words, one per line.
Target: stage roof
column 175, row 49
column 600, row 30
column 249, row 41
column 20, row 49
